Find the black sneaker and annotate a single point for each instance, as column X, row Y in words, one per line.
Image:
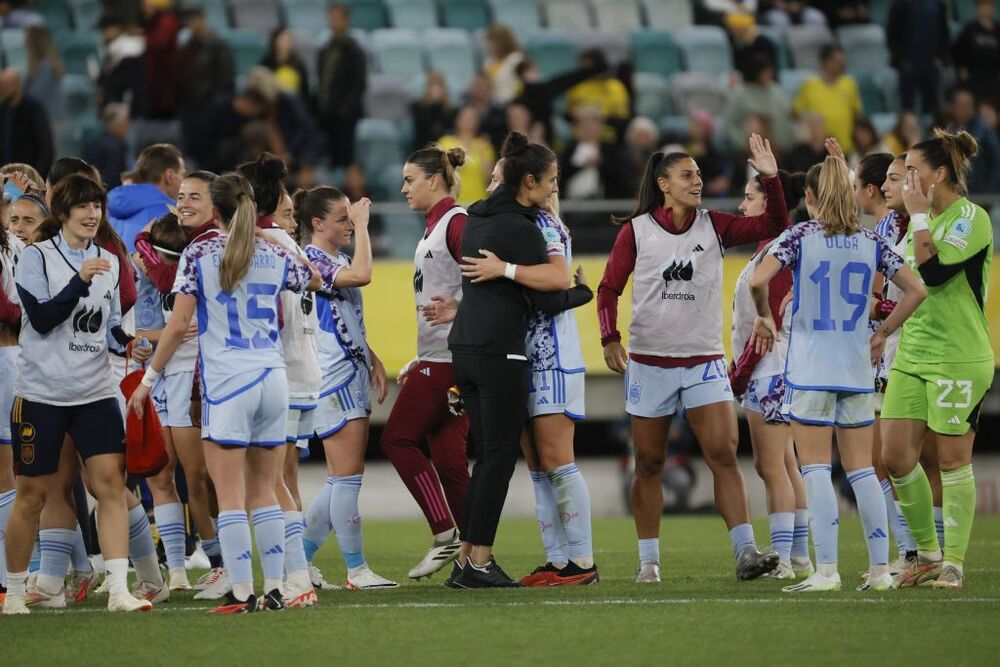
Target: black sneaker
column 574, row 575
column 456, row 572
column 272, row 601
column 486, row 576
column 233, row 606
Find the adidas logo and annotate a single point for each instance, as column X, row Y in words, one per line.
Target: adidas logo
column 244, row 556
column 428, row 255
column 698, row 248
column 543, row 401
column 877, row 534
column 275, row 550
column 950, row 523
column 955, row 421
column 425, row 371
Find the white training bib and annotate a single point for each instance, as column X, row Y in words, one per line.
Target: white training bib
column 435, row 273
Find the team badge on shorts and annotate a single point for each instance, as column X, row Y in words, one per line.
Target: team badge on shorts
column 27, row 432
column 634, row 393
column 27, row 453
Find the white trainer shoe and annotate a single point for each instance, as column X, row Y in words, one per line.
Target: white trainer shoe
column 782, row 571
column 37, row 597
column 103, row 588
column 217, row 589
column 363, row 578
column 179, row 579
column 649, row 573
column 883, row 582
column 15, row 605
column 209, row 578
column 802, row 567
column 437, row 557
column 316, row 577
column 146, row 590
column 126, row 602
column 816, row 583
column 300, row 599
column 197, row 561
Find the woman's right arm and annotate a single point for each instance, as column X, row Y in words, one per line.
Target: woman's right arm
column 621, row 263
column 359, row 273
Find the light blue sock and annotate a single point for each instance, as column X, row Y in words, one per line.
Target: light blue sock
column 140, row 538
column 939, row 524
column 211, row 547
column 346, row 520
column 6, row 505
column 269, row 532
column 56, row 546
column 547, row 513
column 742, row 537
column 871, row 507
column 900, row 531
column 649, row 550
column 295, row 555
column 782, row 525
column 822, row 502
column 169, row 519
column 573, row 497
column 81, row 561
column 234, row 537
column 317, row 521
column 800, row 538
column 36, row 557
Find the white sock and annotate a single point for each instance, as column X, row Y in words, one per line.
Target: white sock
column 445, row 537
column 17, row 584
column 117, row 575
column 649, row 550
column 147, row 569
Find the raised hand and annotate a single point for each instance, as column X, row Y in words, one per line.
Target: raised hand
column 914, row 197
column 93, row 267
column 833, row 148
column 359, row 212
column 761, row 157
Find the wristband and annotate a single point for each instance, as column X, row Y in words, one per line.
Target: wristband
column 150, row 377
column 918, row 223
column 510, row 271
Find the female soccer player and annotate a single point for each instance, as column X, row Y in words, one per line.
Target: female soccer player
column 350, row 370
column 674, row 249
column 828, row 372
column 68, row 287
column 234, row 280
column 759, row 383
column 26, row 213
column 421, row 411
column 944, row 362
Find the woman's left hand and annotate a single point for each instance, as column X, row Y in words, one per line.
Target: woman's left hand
column 481, row 269
column 141, row 353
column 914, row 198
column 761, row 157
column 137, row 401
column 380, row 383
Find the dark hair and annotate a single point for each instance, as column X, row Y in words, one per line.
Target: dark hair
column 954, row 151
column 202, row 175
column 829, row 50
column 755, row 65
column 812, row 178
column 594, row 58
column 313, row 203
column 793, row 185
column 166, row 234
column 872, row 169
column 521, row 157
column 67, row 166
column 266, row 174
column 71, row 191
column 650, row 196
column 155, row 160
column 523, row 66
column 432, row 159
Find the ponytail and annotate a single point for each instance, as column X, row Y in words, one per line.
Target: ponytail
column 836, row 207
column 311, row 204
column 434, row 160
column 650, row 196
column 233, row 197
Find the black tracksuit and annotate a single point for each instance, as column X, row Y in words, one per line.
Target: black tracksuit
column 487, row 344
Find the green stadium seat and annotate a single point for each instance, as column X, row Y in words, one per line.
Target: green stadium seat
column 451, row 52
column 568, row 15
column 652, row 95
column 56, row 14
column 618, row 15
column 386, row 97
column 398, row 51
column 467, row 14
column 76, row 49
column 520, row 15
column 248, row 48
column 217, row 14
column 706, row 49
column 367, row 14
column 879, row 11
column 81, row 97
column 672, row 15
column 553, row 52
column 805, row 42
column 777, row 38
column 698, row 90
column 887, row 82
column 865, row 46
column 655, row 52
column 792, row 79
column 871, row 96
column 306, row 15
column 262, row 16
column 377, row 143
column 86, row 14
column 413, row 14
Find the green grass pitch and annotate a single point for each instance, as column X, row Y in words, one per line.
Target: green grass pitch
column 700, row 614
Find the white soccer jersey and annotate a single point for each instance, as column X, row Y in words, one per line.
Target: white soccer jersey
column 744, row 314
column 435, row 273
column 186, row 356
column 8, row 260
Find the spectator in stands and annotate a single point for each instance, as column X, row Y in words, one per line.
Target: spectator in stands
column 603, row 92
column 493, row 117
column 12, row 16
column 985, row 174
column 917, row 35
column 501, row 66
column 289, row 69
column 784, row 13
column 355, row 188
column 700, row 145
column 642, row 139
column 216, row 133
column 25, row 132
column 205, row 70
column 342, row 81
column 976, row 52
column 538, row 96
column 759, row 94
column 749, row 46
column 45, row 72
column 161, row 26
column 480, row 157
column 433, row 112
column 904, row 133
column 843, row 12
column 866, row 140
column 519, row 119
column 590, row 167
column 123, row 71
column 833, row 95
column 812, row 149
column 159, row 171
column 293, row 133
column 108, row 152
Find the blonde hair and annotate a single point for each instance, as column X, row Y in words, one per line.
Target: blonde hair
column 232, row 195
column 836, row 207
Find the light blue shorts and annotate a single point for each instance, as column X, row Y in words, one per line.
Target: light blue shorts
column 651, row 391
column 351, row 400
column 301, row 414
column 556, row 393
column 172, row 399
column 255, row 417
column 766, row 397
column 829, row 408
column 8, row 376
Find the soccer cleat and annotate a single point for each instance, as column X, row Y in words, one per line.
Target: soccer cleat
column 43, row 600
column 316, row 577
column 179, row 580
column 80, row 585
column 216, row 590
column 802, row 567
column 574, row 575
column 437, row 557
column 271, row 601
column 882, row 582
column 197, row 560
column 490, row 575
column 649, row 573
column 14, row 605
column 302, row 600
column 782, row 571
column 816, row 583
column 540, row 576
column 363, row 578
column 920, row 573
column 209, row 578
column 146, row 590
column 233, row 606
column 103, row 588
column 950, row 577
column 751, row 564
column 456, row 572
column 127, row 602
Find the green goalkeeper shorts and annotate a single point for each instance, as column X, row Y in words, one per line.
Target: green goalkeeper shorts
column 946, row 396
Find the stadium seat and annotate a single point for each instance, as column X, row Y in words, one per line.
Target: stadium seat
column 12, row 49
column 568, row 15
column 619, row 15
column 777, row 38
column 450, row 51
column 652, row 95
column 553, row 52
column 865, row 46
column 86, row 14
column 248, row 48
column 217, row 14
column 306, row 15
column 706, row 49
column 673, row 128
column 871, row 96
column 466, row 14
column 81, row 97
column 56, row 14
column 367, row 14
column 386, row 97
column 398, row 51
column 76, row 49
column 672, row 15
column 792, row 79
column 520, row 15
column 260, row 15
column 887, row 82
column 805, row 42
column 655, row 52
column 413, row 14
column 698, row 90
column 614, row 44
column 879, row 11
column 884, row 121
column 377, row 144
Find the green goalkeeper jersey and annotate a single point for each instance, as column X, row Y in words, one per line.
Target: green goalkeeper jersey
column 950, row 325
